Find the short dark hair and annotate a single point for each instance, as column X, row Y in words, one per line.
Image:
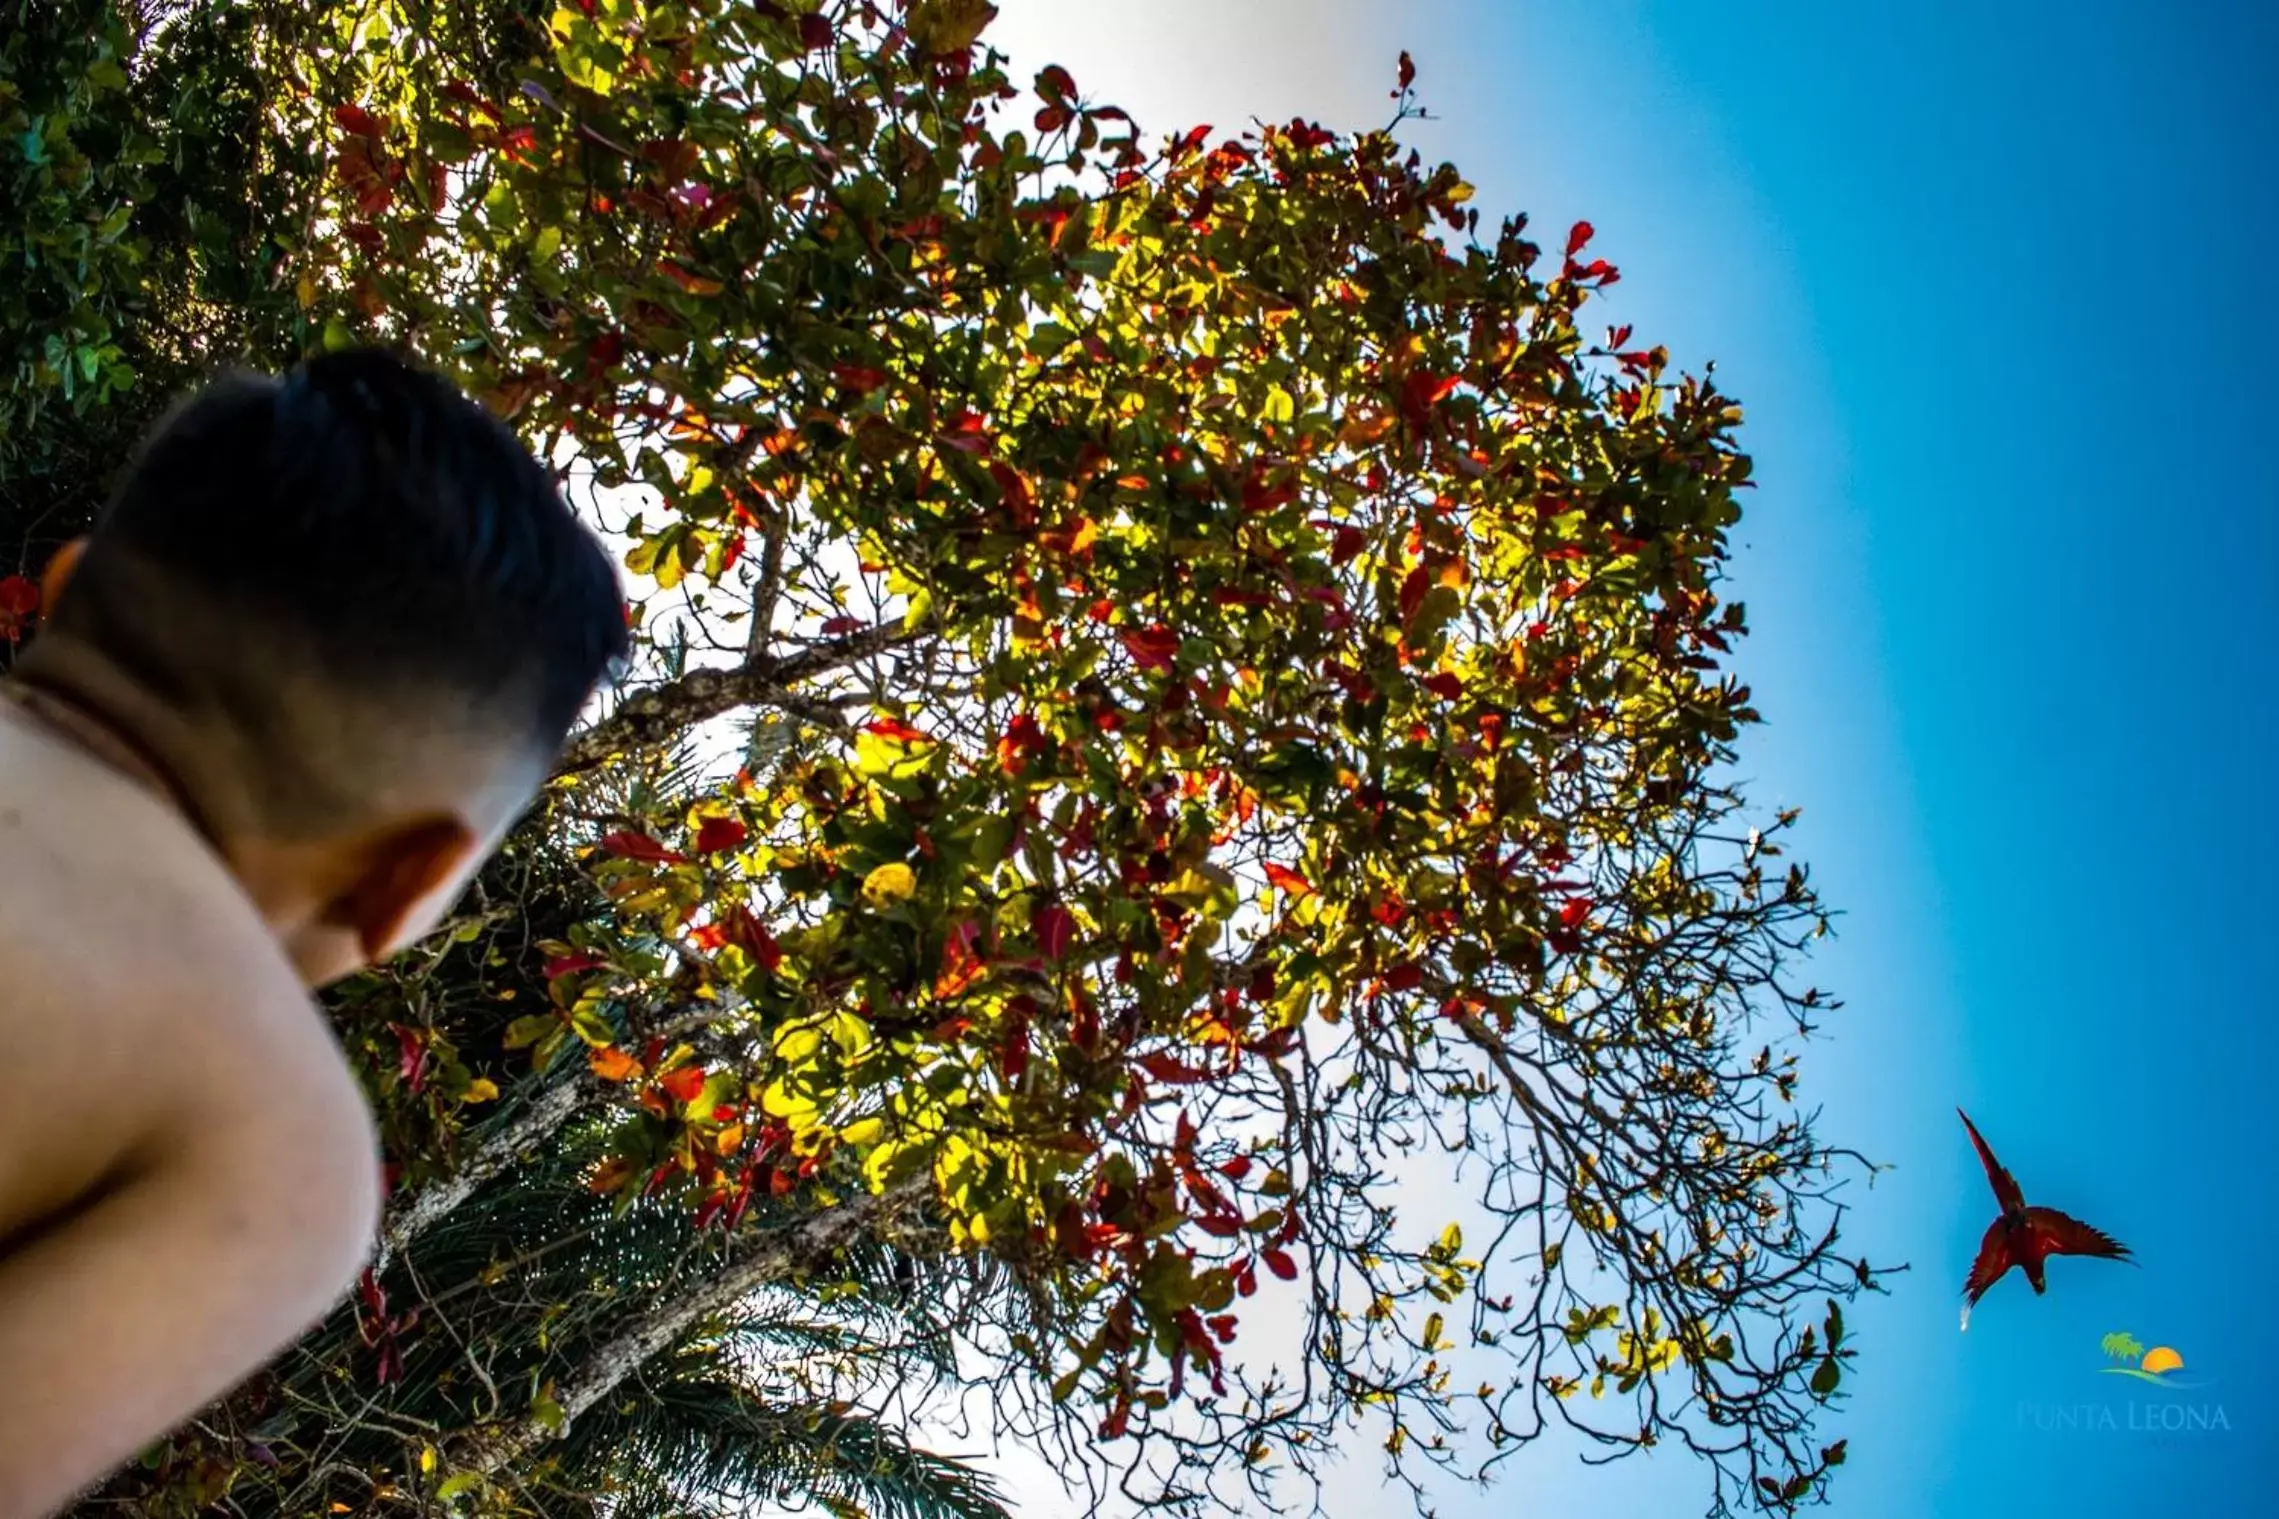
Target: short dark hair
column 361, row 522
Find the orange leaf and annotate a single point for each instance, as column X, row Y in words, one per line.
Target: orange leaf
column 684, row 1084
column 961, row 967
column 614, row 1064
column 1288, row 880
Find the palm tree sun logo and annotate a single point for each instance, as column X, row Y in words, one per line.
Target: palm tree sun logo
column 2161, row 1365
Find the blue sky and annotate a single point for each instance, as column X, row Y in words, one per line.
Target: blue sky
column 1985, row 279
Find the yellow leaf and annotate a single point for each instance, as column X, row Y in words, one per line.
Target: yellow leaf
column 730, row 1138
column 795, row 1046
column 862, row 1131
column 481, row 1089
column 890, row 883
column 949, row 26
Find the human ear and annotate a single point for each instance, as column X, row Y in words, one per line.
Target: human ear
column 398, row 876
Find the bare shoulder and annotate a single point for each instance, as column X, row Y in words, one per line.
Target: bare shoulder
column 139, row 988
column 99, row 878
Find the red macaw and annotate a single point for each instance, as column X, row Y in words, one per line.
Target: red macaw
column 2023, row 1236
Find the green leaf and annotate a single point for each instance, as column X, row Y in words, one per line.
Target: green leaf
column 456, row 1484
column 528, row 1031
column 1824, row 1380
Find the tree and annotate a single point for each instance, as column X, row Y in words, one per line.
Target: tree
column 2122, row 1347
column 1235, row 691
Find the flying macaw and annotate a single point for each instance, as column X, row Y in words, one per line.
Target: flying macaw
column 2023, row 1236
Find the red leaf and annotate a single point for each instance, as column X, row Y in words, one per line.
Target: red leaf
column 1054, row 83
column 1053, row 117
column 1572, row 915
column 1257, row 496
column 1349, row 542
column 411, row 1045
column 858, row 378
column 1286, row 879
column 1151, row 648
column 1404, row 978
column 1024, row 740
column 895, row 728
column 750, row 935
column 675, row 157
column 1408, row 71
column 356, row 119
column 815, row 32
column 1414, row 590
column 1280, row 1263
column 1236, row 1169
column 1055, row 926
column 1444, row 685
column 1018, row 496
column 18, row 597
column 1191, row 141
column 965, row 439
column 570, row 964
column 1581, row 234
column 1013, row 1058
column 718, row 833
column 630, row 845
column 1167, row 1069
column 684, row 1084
column 834, row 626
column 1222, row 1325
column 687, row 279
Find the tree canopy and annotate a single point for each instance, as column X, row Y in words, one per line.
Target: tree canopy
column 1235, row 700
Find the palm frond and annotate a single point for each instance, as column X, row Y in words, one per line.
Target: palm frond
column 693, row 1438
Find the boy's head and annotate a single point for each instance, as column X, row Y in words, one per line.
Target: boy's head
column 355, row 617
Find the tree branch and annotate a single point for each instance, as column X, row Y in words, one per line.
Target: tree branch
column 656, row 716
column 801, row 1247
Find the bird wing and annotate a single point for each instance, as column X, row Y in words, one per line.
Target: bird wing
column 2005, row 1185
column 1994, row 1258
column 2070, row 1236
